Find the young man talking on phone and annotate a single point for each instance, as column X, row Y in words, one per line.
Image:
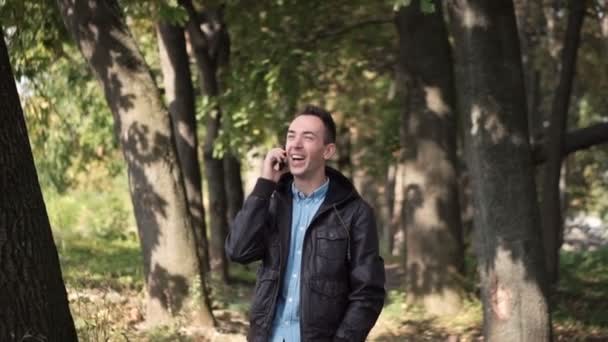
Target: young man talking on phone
column 321, row 278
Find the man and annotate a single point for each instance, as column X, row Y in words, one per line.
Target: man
column 321, row 278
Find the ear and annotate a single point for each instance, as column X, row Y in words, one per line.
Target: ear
column 330, row 150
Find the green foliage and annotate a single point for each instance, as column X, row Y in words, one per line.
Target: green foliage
column 298, row 56
column 582, row 289
column 70, row 125
column 34, row 33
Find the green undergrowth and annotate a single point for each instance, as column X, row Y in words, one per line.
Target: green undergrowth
column 582, row 294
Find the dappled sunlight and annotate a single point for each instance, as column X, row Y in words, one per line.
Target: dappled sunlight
column 470, row 17
column 435, row 101
column 489, row 121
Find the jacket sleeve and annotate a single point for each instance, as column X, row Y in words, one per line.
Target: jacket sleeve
column 245, row 241
column 367, row 278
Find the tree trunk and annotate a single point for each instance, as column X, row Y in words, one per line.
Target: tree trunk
column 435, row 253
column 388, row 230
column 234, row 185
column 506, row 218
column 603, row 5
column 343, row 140
column 529, row 21
column 143, row 126
column 34, row 303
column 180, row 98
column 551, row 214
column 209, row 48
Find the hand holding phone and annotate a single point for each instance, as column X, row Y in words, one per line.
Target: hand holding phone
column 275, row 164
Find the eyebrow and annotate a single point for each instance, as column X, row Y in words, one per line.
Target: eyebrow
column 304, row 133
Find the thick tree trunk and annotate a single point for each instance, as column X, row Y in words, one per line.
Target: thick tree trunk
column 33, row 301
column 506, row 218
column 435, row 253
column 233, row 185
column 180, row 98
column 551, row 214
column 143, row 125
column 209, row 48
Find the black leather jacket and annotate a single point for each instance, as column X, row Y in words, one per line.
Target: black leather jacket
column 342, row 283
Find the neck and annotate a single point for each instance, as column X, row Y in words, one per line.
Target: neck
column 309, row 184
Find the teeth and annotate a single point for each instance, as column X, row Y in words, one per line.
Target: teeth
column 297, row 157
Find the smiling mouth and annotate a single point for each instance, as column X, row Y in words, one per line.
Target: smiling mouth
column 297, row 157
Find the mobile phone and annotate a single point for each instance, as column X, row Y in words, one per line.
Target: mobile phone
column 279, row 165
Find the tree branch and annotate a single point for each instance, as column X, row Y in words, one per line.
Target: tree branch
column 576, row 140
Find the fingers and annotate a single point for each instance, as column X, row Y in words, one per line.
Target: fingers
column 274, row 164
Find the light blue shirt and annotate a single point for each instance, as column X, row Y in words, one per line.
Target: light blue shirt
column 286, row 324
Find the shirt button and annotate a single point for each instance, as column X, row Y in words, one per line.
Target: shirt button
column 295, row 275
column 289, row 299
column 299, row 252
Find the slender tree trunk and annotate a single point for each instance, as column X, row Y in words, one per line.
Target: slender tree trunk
column 529, row 14
column 180, row 98
column 345, row 164
column 33, row 300
column 435, row 254
column 209, row 47
column 143, row 126
column 551, row 214
column 389, row 198
column 603, row 5
column 233, row 185
column 397, row 222
column 506, row 218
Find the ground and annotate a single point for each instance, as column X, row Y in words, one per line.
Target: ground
column 107, row 305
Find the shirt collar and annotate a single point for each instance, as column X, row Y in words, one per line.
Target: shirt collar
column 319, row 193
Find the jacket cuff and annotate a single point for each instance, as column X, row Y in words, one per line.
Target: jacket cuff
column 263, row 188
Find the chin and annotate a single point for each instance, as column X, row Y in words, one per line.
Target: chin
column 300, row 172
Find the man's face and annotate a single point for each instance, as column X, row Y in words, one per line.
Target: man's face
column 305, row 146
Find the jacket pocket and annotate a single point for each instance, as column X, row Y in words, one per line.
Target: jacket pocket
column 265, row 289
column 328, row 302
column 331, row 244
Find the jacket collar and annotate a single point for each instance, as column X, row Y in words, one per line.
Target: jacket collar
column 340, row 188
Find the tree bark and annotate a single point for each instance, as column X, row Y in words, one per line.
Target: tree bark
column 143, row 126
column 33, row 300
column 209, row 48
column 233, row 185
column 603, row 6
column 506, row 218
column 434, row 246
column 180, row 98
column 551, row 214
column 528, row 15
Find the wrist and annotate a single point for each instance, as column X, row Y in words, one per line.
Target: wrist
column 264, row 187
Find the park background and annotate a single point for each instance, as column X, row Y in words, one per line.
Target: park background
column 476, row 129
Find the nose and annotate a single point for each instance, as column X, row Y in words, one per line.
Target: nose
column 296, row 142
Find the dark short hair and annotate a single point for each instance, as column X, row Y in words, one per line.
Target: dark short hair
column 325, row 116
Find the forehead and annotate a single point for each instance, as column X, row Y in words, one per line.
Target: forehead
column 306, row 123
